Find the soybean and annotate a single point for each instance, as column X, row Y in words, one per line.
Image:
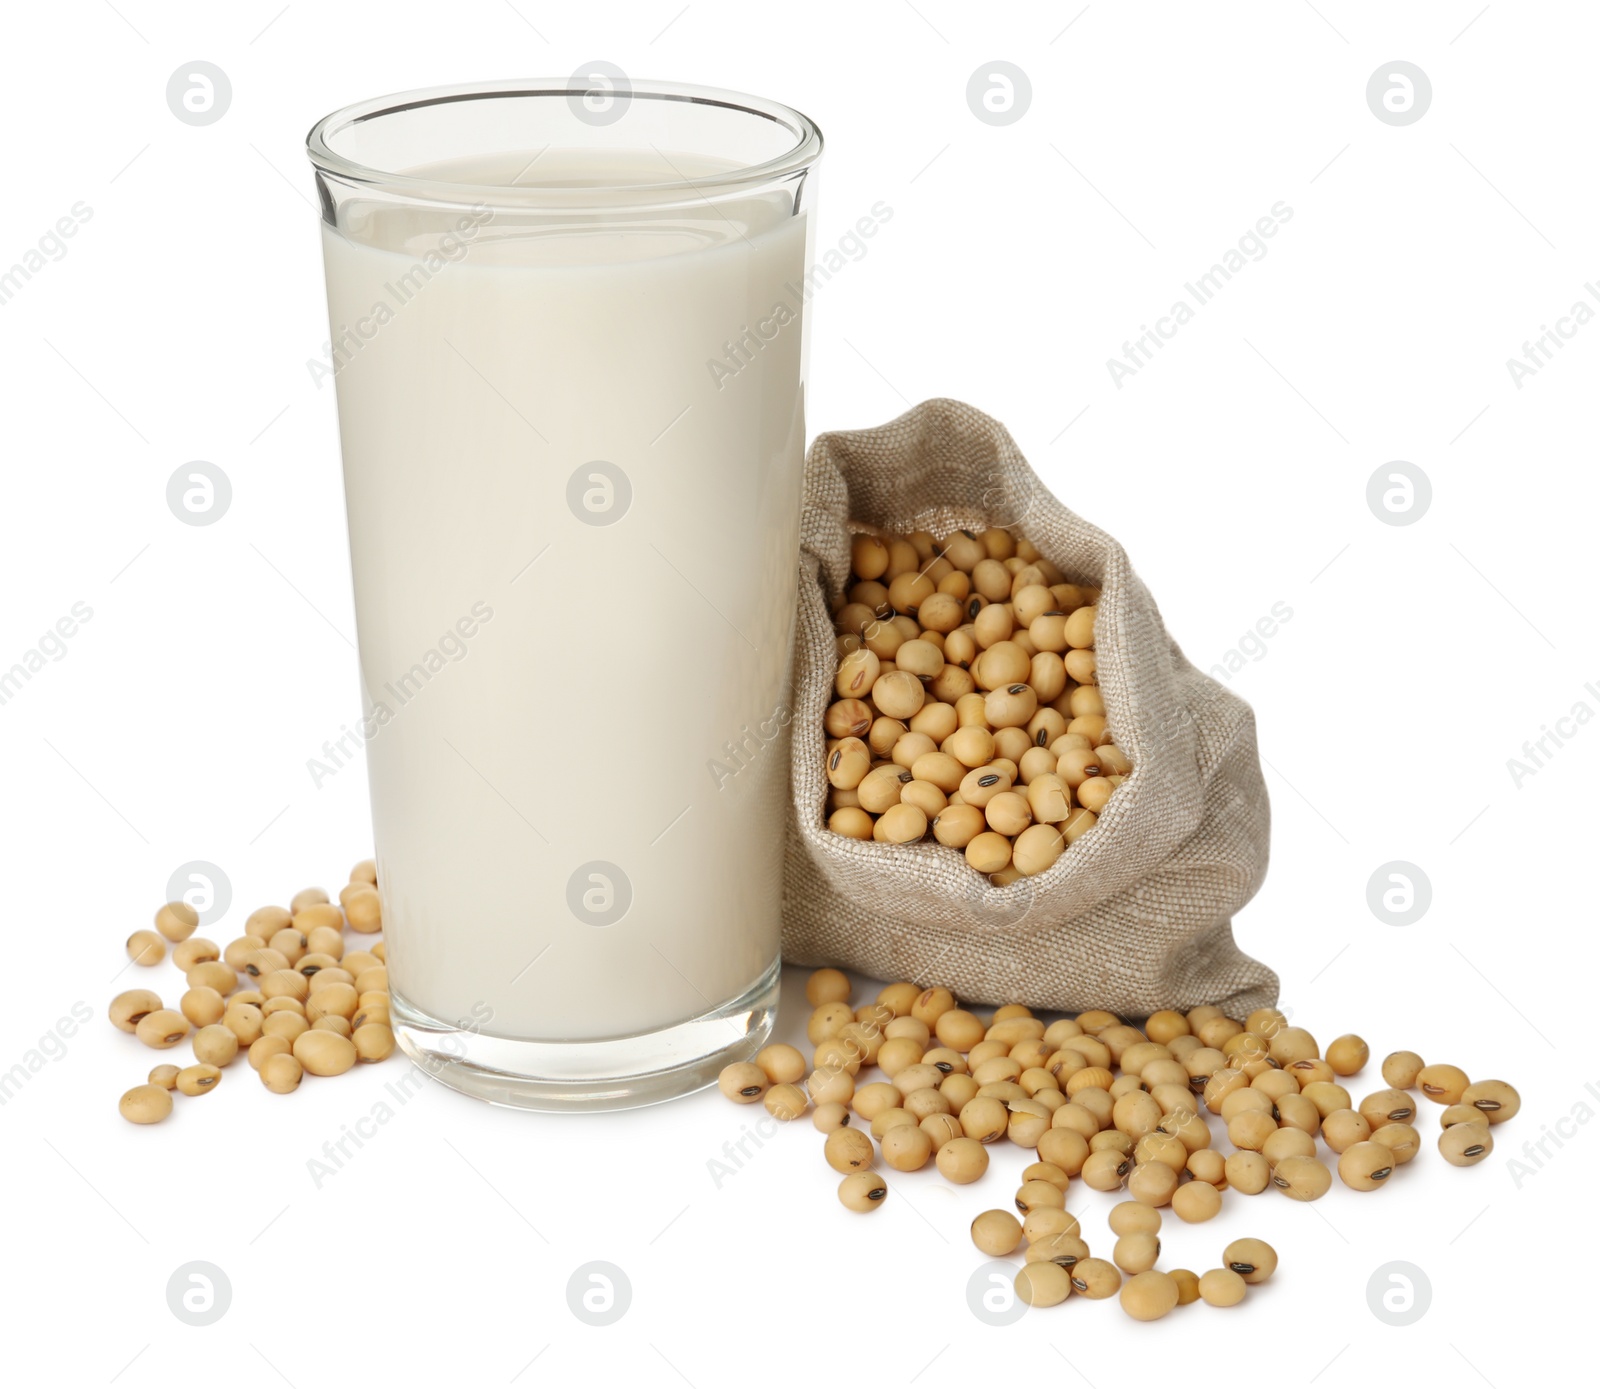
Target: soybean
column 743, row 1082
column 1033, row 1194
column 215, row 1045
column 1302, row 1178
column 1443, row 1084
column 145, row 1104
column 307, row 897
column 1400, row 1139
column 374, row 1041
column 202, row 1006
column 245, row 1020
column 783, row 1065
column 1347, row 1054
column 962, row 1160
column 129, row 1008
column 1095, row 1278
column 1132, row 1218
column 1042, row 1284
column 827, row 1118
column 1494, row 1099
column 1254, row 1260
column 263, row 923
column 1136, row 1253
column 177, row 921
column 848, row 1150
column 198, row 1079
column 1248, row 1173
column 1401, row 1068
column 1060, row 1248
column 162, row 1028
column 146, row 948
column 1196, row 1201
column 1387, row 1107
column 281, row 1073
column 1464, row 1145
column 1148, row 1295
column 195, row 951
column 324, row 1053
column 364, row 912
column 996, row 1233
column 263, row 1049
column 1222, row 1287
column 784, row 1102
column 827, row 986
column 906, row 1148
column 1365, row 1166
column 1344, row 1128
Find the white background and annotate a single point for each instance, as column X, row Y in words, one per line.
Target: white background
column 1019, row 258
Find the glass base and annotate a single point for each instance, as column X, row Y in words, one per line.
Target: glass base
column 618, row 1073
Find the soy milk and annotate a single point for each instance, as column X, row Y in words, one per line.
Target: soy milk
column 574, row 520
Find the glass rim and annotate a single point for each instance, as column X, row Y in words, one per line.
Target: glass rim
column 804, row 152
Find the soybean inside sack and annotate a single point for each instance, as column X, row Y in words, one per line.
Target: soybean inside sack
column 1136, row 915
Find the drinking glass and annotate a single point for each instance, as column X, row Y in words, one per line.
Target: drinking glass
column 567, row 337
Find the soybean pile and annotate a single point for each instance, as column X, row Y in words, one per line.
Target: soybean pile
column 968, row 706
column 288, row 993
column 1096, row 1101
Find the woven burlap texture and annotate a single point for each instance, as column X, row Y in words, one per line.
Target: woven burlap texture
column 1135, row 916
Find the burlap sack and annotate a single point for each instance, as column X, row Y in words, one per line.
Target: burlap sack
column 1135, row 916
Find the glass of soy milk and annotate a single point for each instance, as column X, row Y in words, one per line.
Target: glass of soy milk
column 568, row 341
